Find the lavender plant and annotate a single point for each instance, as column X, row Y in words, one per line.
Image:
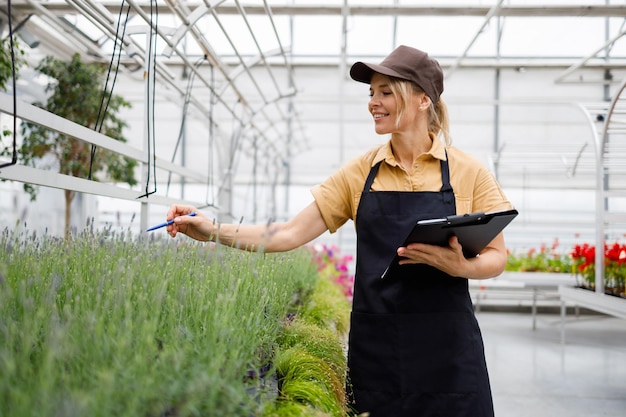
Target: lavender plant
column 111, row 324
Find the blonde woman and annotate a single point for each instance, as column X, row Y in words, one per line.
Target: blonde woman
column 415, row 348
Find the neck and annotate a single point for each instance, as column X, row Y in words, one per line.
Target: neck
column 406, row 148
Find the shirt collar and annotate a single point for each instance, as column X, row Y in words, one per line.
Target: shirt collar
column 437, row 151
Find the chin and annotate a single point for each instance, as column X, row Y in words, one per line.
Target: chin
column 380, row 129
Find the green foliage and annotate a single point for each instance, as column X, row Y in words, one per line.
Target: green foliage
column 6, row 74
column 6, row 70
column 109, row 324
column 544, row 259
column 308, row 379
column 294, row 409
column 317, row 341
column 328, row 306
column 76, row 92
column 310, row 361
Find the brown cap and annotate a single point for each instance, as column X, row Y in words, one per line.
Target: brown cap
column 408, row 64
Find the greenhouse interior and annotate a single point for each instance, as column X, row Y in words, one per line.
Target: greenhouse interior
column 241, row 109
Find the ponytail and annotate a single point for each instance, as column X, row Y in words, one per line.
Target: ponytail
column 439, row 121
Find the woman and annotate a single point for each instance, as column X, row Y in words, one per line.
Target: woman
column 415, row 348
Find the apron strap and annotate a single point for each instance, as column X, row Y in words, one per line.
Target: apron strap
column 446, row 188
column 370, row 177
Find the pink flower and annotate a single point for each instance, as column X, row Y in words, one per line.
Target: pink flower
column 329, row 260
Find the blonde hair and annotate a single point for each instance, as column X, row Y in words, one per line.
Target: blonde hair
column 438, row 120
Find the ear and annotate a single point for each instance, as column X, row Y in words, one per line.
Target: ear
column 424, row 102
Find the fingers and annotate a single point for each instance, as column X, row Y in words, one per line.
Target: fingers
column 454, row 244
column 176, row 210
column 431, row 254
column 178, row 213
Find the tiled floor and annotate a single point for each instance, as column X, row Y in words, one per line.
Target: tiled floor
column 534, row 374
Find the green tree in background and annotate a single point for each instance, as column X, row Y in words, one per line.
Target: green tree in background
column 6, row 71
column 6, row 74
column 76, row 94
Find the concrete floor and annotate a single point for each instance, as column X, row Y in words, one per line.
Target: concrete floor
column 535, row 374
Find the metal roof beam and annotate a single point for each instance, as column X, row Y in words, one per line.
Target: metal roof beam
column 492, row 12
column 611, row 10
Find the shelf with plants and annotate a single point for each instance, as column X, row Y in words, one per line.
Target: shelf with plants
column 578, row 266
column 610, row 296
column 114, row 324
column 542, row 267
column 604, row 271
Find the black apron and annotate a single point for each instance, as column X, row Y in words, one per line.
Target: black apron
column 415, row 348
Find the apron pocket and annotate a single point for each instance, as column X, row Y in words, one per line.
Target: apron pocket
column 438, row 353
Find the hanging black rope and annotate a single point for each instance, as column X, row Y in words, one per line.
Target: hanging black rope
column 210, row 182
column 102, row 110
column 150, row 98
column 12, row 52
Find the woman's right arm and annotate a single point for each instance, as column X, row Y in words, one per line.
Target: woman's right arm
column 270, row 237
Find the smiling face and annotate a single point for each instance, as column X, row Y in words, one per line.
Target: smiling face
column 382, row 105
column 394, row 104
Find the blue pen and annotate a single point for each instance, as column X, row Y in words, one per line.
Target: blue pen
column 167, row 223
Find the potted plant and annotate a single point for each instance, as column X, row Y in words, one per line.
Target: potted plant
column 584, row 258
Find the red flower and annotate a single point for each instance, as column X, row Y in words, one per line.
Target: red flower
column 614, row 262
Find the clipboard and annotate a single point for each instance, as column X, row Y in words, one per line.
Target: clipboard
column 474, row 231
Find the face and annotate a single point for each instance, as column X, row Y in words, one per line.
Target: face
column 383, row 106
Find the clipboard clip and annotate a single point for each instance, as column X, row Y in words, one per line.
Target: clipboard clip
column 460, row 219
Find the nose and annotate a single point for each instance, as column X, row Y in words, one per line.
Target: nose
column 374, row 101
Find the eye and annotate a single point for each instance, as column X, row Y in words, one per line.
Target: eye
column 383, row 93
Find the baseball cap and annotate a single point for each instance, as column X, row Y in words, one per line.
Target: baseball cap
column 408, row 64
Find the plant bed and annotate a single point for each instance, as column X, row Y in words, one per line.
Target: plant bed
column 614, row 292
column 579, row 262
column 108, row 324
column 310, row 359
column 600, row 302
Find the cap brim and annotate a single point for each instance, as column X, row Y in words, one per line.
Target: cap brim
column 362, row 72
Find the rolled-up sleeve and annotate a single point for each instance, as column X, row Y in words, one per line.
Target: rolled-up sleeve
column 332, row 198
column 338, row 197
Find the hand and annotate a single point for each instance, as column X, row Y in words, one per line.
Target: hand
column 197, row 227
column 449, row 259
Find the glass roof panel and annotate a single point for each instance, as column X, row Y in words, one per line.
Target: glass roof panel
column 433, row 34
column 551, row 37
column 617, row 26
column 370, row 35
column 317, row 35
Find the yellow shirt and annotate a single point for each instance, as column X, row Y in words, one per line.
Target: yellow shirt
column 475, row 188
